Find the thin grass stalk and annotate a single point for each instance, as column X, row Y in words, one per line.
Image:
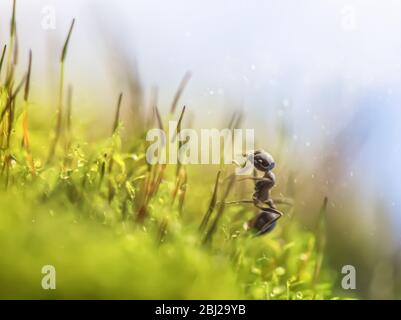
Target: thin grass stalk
column 10, row 67
column 213, row 227
column 182, row 191
column 3, row 54
column 58, row 127
column 181, row 87
column 69, row 110
column 115, row 127
column 152, row 106
column 117, row 115
column 25, row 119
column 212, row 204
column 179, row 145
column 320, row 244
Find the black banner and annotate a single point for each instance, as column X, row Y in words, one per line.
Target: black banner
column 190, row 309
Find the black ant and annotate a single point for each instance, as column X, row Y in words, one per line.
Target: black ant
column 266, row 219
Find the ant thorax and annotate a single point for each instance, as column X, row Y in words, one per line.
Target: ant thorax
column 263, row 186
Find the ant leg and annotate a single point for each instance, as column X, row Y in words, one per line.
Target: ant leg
column 238, row 164
column 263, row 205
column 260, row 203
column 270, row 203
column 285, row 201
column 239, row 202
column 247, row 178
column 254, row 178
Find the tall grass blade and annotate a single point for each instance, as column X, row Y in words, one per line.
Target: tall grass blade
column 180, row 90
column 117, row 116
column 213, row 227
column 3, row 54
column 212, row 204
column 28, row 77
column 59, row 119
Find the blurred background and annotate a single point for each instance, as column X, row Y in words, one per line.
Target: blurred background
column 319, row 81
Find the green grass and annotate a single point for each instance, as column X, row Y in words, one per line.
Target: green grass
column 115, row 227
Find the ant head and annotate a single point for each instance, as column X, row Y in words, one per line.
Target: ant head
column 262, row 160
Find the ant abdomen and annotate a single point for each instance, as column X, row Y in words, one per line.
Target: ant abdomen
column 264, row 222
